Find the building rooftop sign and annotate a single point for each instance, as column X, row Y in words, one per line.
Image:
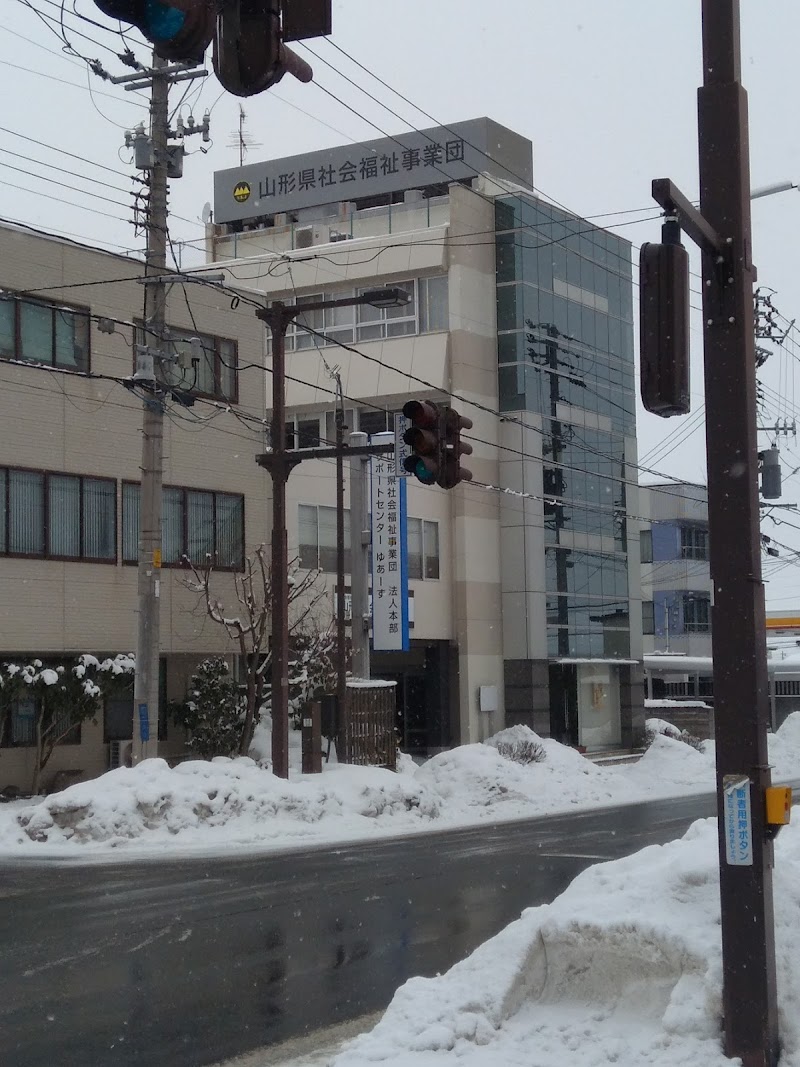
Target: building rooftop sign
column 412, row 160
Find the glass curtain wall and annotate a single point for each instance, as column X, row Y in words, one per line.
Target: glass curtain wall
column 565, row 352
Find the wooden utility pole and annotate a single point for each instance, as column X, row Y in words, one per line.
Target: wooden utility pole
column 741, row 709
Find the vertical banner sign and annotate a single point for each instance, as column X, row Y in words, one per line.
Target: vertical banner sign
column 401, row 450
column 389, row 554
column 738, row 821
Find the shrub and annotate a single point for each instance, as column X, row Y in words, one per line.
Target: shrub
column 523, row 752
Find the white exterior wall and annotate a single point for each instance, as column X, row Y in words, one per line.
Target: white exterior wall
column 464, row 605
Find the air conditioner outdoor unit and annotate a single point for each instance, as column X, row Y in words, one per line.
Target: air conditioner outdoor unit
column 304, row 237
column 337, row 235
column 119, row 754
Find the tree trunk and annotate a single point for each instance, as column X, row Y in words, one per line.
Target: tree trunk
column 40, row 759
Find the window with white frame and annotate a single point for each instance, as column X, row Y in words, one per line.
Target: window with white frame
column 694, row 542
column 302, row 431
column 317, row 537
column 426, row 312
column 377, row 323
column 423, row 549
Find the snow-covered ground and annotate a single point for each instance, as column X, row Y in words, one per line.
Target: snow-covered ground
column 226, row 803
column 623, row 968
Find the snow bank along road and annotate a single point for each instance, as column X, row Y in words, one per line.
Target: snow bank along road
column 186, row 962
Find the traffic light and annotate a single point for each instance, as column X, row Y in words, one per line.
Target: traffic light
column 249, row 53
column 664, row 324
column 423, row 436
column 451, row 472
column 178, row 29
column 435, row 437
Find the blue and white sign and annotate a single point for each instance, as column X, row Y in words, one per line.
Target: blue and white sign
column 401, row 450
column 389, row 554
column 144, row 723
column 738, row 821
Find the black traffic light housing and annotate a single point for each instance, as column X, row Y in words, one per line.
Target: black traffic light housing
column 451, row 472
column 423, row 437
column 435, row 437
column 179, row 30
column 664, row 324
column 249, row 53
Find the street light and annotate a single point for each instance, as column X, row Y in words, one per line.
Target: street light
column 280, row 462
column 776, row 187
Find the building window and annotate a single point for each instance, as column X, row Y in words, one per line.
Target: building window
column 57, row 336
column 697, row 613
column 648, row 617
column 18, row 724
column 694, row 542
column 427, row 311
column 303, row 432
column 195, row 523
column 377, row 323
column 317, row 537
column 58, row 516
column 423, row 549
column 434, row 312
column 202, row 364
column 646, row 545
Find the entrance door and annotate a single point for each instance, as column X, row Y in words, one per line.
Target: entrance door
column 564, row 703
column 598, row 705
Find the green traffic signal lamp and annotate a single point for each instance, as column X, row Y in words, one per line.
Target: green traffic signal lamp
column 178, row 29
column 423, row 437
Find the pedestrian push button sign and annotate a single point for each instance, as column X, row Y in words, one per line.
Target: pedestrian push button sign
column 738, row 820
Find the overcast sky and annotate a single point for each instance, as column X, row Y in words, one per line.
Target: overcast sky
column 605, row 90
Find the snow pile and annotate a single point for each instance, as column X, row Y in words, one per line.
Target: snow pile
column 227, row 802
column 624, row 967
column 222, row 801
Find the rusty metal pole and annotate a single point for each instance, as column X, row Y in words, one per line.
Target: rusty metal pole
column 741, row 707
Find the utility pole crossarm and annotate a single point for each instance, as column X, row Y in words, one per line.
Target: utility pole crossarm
column 692, row 222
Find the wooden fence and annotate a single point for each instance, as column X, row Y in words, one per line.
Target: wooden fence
column 372, row 740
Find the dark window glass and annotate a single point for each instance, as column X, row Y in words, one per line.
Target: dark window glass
column 64, row 516
column 26, row 513
column 371, row 422
column 648, row 618
column 194, row 523
column 431, row 546
column 646, row 545
column 697, row 613
column 308, row 433
column 694, row 542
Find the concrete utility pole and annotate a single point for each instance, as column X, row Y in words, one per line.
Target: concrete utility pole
column 741, row 711
column 146, row 678
column 149, row 356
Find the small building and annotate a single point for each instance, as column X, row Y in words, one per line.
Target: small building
column 525, row 583
column 675, row 575
column 70, row 456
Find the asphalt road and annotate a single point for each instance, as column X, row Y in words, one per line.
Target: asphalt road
column 185, row 962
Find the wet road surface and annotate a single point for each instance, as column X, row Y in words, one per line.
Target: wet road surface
column 186, row 962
